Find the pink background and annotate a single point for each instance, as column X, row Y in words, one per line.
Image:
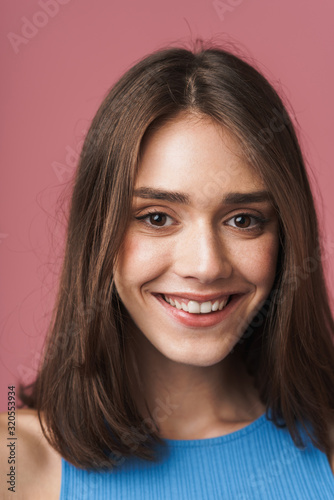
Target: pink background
column 53, row 80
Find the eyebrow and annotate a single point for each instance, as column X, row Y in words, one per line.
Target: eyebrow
column 233, row 198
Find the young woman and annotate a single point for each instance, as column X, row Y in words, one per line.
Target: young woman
column 190, row 354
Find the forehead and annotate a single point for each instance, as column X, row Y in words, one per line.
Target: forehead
column 195, row 155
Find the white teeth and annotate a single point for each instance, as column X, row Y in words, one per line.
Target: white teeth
column 195, row 307
column 215, row 305
column 206, row 307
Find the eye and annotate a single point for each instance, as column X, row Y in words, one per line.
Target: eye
column 244, row 220
column 158, row 220
column 154, row 219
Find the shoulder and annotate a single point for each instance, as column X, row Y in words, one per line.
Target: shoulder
column 37, row 466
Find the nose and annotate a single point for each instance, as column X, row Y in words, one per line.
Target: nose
column 202, row 255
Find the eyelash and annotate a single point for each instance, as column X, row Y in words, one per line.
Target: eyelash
column 261, row 221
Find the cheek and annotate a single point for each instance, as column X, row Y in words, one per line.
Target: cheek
column 258, row 261
column 141, row 259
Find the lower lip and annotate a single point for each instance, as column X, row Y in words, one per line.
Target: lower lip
column 201, row 320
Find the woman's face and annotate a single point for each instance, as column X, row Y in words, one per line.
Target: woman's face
column 196, row 239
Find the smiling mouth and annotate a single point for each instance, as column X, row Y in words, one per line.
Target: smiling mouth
column 194, row 307
column 200, row 319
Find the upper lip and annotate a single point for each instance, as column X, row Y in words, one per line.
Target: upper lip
column 200, row 297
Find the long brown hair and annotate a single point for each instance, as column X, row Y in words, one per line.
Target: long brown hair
column 82, row 387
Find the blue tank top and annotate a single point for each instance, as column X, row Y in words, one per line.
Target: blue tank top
column 259, row 461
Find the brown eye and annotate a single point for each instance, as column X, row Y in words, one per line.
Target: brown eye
column 157, row 219
column 243, row 221
column 248, row 222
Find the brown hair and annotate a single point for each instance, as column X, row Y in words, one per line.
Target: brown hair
column 82, row 386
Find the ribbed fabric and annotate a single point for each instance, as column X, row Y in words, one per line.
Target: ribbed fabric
column 259, row 461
